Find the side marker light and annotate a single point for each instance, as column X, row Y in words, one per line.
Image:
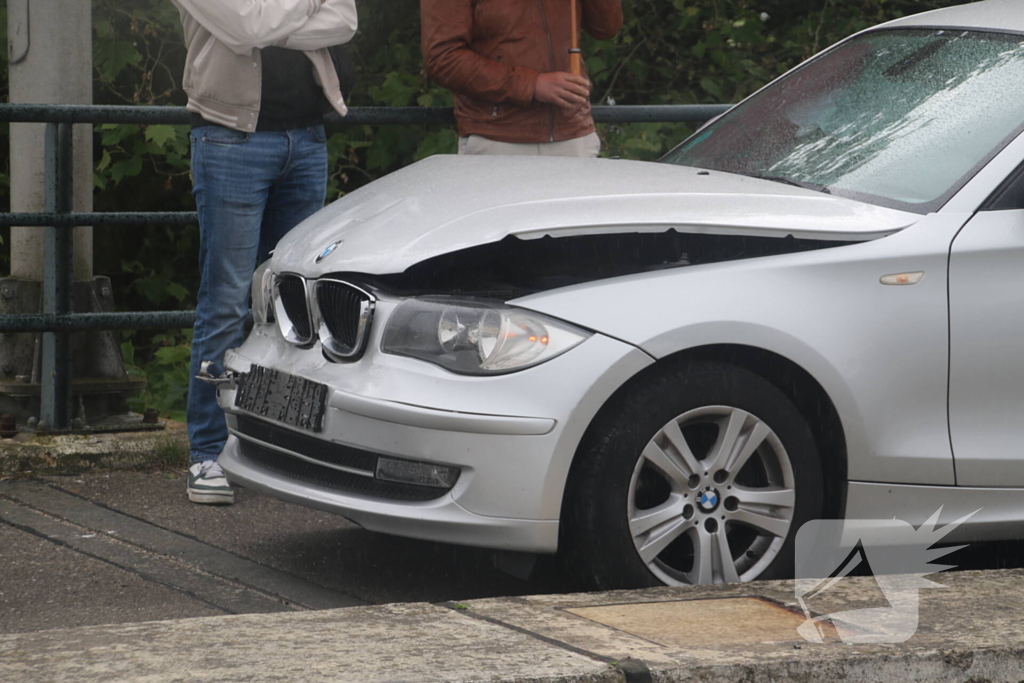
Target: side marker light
column 903, row 278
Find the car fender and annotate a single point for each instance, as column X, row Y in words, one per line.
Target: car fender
column 879, row 352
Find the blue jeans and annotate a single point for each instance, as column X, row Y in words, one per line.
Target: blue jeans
column 250, row 189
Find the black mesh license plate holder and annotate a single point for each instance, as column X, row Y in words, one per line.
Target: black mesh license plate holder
column 279, row 396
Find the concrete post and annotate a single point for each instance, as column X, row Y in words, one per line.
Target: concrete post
column 56, row 68
column 50, row 49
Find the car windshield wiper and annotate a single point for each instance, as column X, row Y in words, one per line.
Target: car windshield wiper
column 789, row 181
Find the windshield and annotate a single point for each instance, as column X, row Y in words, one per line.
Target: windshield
column 897, row 118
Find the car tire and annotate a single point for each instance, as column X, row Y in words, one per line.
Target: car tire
column 641, row 511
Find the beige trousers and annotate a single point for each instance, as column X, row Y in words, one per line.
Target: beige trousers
column 586, row 146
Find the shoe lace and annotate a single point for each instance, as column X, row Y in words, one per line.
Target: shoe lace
column 211, row 469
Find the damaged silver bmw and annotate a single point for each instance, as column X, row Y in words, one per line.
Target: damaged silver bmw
column 812, row 308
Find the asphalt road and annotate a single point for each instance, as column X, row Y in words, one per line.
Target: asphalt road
column 129, row 547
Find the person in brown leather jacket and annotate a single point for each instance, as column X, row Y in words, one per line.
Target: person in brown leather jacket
column 507, row 61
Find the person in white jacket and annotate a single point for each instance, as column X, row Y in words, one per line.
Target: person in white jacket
column 259, row 75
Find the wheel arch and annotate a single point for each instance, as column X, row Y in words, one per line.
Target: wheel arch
column 806, row 393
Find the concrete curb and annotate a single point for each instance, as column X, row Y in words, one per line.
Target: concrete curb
column 995, row 665
column 968, row 633
column 78, row 453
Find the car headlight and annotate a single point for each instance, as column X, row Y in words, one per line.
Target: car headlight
column 476, row 338
column 262, row 294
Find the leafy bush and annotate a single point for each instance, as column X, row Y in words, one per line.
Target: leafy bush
column 166, row 372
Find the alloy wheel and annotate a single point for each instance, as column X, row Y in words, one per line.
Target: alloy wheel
column 712, row 498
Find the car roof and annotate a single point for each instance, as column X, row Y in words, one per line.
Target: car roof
column 1000, row 15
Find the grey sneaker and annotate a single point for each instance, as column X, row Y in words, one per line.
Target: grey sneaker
column 207, row 484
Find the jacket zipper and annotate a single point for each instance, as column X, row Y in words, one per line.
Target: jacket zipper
column 551, row 56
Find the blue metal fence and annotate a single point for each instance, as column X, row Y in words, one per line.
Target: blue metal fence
column 57, row 321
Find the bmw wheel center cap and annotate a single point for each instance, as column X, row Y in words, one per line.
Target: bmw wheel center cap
column 328, row 250
column 708, row 500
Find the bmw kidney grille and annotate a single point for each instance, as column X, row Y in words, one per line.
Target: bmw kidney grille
column 345, row 312
column 337, row 313
column 291, row 308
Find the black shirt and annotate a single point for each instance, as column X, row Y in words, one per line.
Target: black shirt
column 290, row 96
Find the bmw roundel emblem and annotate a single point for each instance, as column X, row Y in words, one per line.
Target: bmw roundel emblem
column 328, row 250
column 708, row 500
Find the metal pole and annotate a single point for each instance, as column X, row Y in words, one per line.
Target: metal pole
column 357, row 116
column 58, row 251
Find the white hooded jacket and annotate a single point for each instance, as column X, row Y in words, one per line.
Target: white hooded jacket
column 223, row 68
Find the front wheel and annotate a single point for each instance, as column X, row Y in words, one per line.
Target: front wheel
column 702, row 474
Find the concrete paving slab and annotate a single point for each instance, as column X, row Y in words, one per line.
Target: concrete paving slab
column 89, row 592
column 227, row 596
column 142, row 523
column 317, row 546
column 969, row 633
column 699, row 623
column 209, row 559
column 412, row 642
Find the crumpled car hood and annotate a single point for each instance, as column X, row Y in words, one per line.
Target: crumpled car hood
column 447, row 203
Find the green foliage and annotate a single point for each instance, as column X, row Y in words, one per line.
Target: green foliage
column 138, row 58
column 668, row 52
column 389, row 72
column 166, row 371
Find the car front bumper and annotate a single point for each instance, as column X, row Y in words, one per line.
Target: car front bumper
column 513, row 437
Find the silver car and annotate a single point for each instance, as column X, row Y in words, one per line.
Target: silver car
column 812, row 308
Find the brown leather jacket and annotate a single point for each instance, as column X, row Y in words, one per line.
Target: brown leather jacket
column 490, row 52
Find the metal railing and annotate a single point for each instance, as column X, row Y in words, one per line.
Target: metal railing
column 57, row 320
